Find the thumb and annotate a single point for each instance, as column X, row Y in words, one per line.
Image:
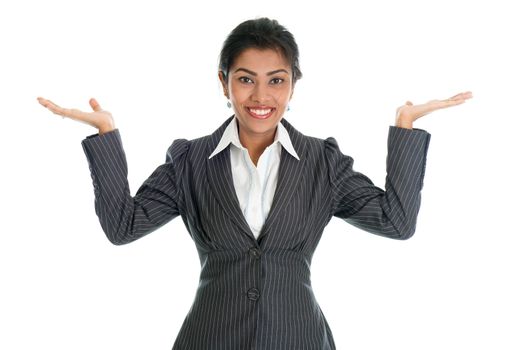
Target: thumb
column 94, row 104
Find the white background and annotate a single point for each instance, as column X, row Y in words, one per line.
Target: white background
column 457, row 284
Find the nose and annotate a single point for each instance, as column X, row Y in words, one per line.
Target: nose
column 260, row 94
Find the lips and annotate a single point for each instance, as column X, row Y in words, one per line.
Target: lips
column 260, row 112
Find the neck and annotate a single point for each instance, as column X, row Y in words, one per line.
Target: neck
column 256, row 143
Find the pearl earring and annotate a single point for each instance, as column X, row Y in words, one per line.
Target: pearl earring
column 228, row 104
column 288, row 107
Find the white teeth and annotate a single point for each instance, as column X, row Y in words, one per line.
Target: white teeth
column 260, row 111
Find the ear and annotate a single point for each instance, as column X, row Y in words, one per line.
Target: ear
column 224, row 83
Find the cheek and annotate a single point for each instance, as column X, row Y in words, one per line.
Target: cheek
column 239, row 93
column 283, row 96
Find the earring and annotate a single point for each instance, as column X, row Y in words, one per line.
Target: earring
column 228, row 104
column 288, row 107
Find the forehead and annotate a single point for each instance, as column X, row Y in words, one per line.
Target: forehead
column 260, row 60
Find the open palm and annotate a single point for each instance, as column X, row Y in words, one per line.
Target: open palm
column 99, row 118
column 410, row 112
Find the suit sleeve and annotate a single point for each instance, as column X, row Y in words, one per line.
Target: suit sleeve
column 391, row 212
column 158, row 200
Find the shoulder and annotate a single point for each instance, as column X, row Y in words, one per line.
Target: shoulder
column 317, row 147
column 177, row 150
column 194, row 149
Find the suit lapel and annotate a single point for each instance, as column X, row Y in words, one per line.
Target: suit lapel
column 220, row 178
column 289, row 174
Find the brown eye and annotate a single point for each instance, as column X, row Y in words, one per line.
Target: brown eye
column 277, row 81
column 245, row 80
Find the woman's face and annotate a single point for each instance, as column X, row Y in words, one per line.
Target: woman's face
column 259, row 86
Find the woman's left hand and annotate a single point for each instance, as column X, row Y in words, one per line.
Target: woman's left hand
column 409, row 112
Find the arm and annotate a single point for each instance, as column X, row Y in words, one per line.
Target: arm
column 125, row 218
column 391, row 213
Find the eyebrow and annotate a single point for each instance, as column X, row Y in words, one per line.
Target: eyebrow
column 268, row 73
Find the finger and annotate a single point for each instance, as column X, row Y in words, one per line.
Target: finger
column 44, row 102
column 459, row 98
column 95, row 105
column 452, row 101
column 53, row 107
column 49, row 105
column 64, row 112
column 446, row 103
column 462, row 96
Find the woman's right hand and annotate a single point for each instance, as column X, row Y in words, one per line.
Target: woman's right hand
column 100, row 119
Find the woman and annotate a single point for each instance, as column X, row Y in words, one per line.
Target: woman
column 255, row 195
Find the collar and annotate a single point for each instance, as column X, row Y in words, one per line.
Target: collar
column 230, row 135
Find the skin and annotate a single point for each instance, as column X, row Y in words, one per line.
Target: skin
column 256, row 78
column 100, row 119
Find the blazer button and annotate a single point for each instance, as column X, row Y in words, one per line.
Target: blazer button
column 255, row 252
column 253, row 294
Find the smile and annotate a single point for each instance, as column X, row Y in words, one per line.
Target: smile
column 260, row 112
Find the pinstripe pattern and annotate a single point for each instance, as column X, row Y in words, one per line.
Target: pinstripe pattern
column 255, row 293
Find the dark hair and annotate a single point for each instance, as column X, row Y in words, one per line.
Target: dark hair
column 260, row 33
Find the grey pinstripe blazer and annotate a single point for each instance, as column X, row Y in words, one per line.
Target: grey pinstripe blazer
column 256, row 293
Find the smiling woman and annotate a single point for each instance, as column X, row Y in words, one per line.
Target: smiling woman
column 256, row 195
column 259, row 87
column 258, row 69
